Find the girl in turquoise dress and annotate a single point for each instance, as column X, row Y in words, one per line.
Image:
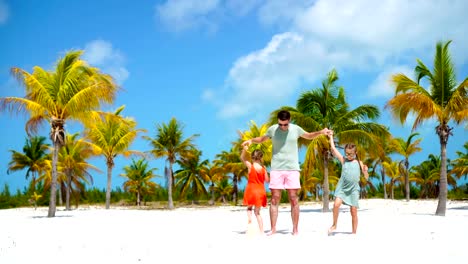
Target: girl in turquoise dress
column 347, row 189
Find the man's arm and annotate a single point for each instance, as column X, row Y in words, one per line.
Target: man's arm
column 312, row 135
column 256, row 140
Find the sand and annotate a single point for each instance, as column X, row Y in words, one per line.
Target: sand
column 388, row 232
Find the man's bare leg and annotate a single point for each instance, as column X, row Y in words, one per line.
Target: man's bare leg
column 354, row 218
column 274, row 203
column 336, row 211
column 294, row 200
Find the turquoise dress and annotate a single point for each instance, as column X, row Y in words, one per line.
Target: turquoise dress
column 348, row 186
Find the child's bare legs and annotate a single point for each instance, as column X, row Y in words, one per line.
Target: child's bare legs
column 354, row 218
column 336, row 211
column 259, row 219
column 249, row 213
column 274, row 203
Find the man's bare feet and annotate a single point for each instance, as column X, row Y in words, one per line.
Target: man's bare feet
column 272, row 232
column 295, row 233
column 331, row 230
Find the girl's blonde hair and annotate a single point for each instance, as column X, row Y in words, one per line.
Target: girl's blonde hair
column 257, row 155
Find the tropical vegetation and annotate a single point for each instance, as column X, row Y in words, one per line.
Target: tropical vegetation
column 75, row 91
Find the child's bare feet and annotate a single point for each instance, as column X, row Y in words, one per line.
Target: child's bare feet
column 272, row 232
column 331, row 230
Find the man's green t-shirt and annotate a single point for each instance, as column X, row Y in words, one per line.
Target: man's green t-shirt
column 285, row 149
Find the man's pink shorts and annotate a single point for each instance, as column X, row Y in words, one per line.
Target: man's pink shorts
column 284, row 179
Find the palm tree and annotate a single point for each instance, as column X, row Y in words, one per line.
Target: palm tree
column 112, row 135
column 73, row 164
column 232, row 163
column 33, row 158
column 392, row 169
column 406, row 149
column 70, row 92
column 256, row 131
column 310, row 183
column 139, row 179
column 192, row 175
column 169, row 143
column 223, row 188
column 216, row 174
column 444, row 101
column 426, row 175
column 327, row 107
column 379, row 158
column 460, row 164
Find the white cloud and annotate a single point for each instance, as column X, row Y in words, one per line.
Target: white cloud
column 347, row 35
column 257, row 77
column 382, row 86
column 4, row 12
column 384, row 29
column 111, row 61
column 180, row 15
column 281, row 13
column 208, row 15
column 241, row 8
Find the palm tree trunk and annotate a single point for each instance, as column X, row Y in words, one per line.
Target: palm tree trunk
column 382, row 172
column 392, row 196
column 211, row 202
column 326, row 187
column 60, row 193
column 234, row 189
column 33, row 182
column 442, row 204
column 169, row 187
column 407, row 186
column 68, row 191
column 317, row 190
column 53, row 184
column 110, row 165
column 138, row 199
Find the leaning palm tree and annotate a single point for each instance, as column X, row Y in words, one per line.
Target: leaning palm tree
column 112, row 135
column 230, row 160
column 192, row 175
column 139, row 179
column 406, row 148
column 223, row 188
column 32, row 158
column 392, row 169
column 70, row 92
column 73, row 163
column 427, row 176
column 460, row 164
column 444, row 101
column 215, row 173
column 169, row 143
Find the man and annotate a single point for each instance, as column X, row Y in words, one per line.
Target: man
column 285, row 171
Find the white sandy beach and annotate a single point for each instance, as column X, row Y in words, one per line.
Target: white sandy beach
column 388, row 232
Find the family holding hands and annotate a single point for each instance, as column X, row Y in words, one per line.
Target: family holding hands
column 285, row 174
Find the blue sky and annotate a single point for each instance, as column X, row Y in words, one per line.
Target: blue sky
column 216, row 65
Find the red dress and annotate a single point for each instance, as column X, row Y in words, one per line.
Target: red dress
column 255, row 193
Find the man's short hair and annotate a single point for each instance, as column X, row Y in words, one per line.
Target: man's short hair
column 284, row 115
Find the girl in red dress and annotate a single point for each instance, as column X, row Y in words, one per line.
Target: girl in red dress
column 255, row 194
